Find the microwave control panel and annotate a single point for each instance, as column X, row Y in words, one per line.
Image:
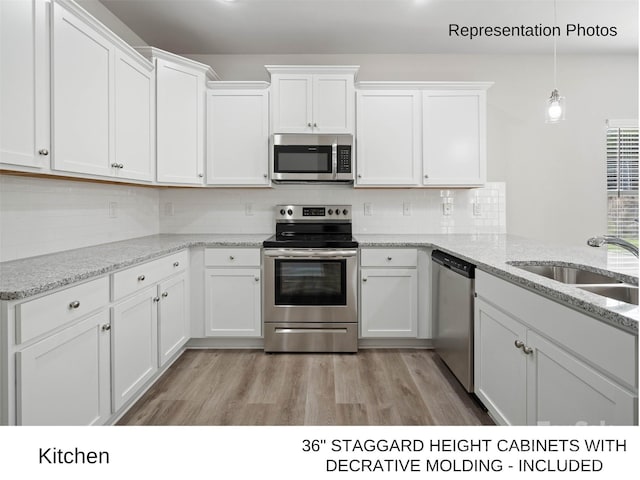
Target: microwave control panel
column 344, row 159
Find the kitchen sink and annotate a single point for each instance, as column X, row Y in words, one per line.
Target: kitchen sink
column 621, row 292
column 564, row 274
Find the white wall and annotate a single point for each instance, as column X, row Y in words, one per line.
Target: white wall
column 117, row 26
column 555, row 174
column 225, row 210
column 44, row 215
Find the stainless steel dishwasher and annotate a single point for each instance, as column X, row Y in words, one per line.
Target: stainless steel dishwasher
column 452, row 300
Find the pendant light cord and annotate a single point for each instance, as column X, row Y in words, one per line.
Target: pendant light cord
column 555, row 47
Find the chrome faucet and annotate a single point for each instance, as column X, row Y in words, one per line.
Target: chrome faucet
column 610, row 239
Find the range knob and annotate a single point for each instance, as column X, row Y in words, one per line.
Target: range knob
column 330, row 212
column 282, row 211
column 290, row 212
column 337, row 212
column 345, row 211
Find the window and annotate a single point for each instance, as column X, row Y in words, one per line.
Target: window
column 622, row 180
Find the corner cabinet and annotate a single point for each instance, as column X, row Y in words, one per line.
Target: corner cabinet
column 24, row 84
column 312, row 99
column 102, row 99
column 180, row 116
column 421, row 134
column 238, row 133
column 540, row 363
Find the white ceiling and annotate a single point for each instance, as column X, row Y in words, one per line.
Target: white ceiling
column 370, row 26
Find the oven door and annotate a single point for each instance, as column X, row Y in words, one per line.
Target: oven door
column 310, row 285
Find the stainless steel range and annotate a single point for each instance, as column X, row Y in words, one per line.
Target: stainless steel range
column 310, row 288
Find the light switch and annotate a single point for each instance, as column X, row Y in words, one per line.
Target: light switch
column 368, row 210
column 406, row 209
column 113, row 209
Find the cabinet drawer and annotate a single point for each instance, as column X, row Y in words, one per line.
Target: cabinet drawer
column 140, row 276
column 232, row 257
column 52, row 311
column 389, row 257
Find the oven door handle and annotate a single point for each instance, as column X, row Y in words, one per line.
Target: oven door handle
column 309, row 254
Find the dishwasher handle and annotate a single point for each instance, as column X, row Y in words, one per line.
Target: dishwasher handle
column 454, row 264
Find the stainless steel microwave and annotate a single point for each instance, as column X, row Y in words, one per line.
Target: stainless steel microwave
column 312, row 158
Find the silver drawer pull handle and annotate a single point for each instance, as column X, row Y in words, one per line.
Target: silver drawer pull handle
column 527, row 350
column 165, row 294
column 519, row 343
column 74, row 304
column 141, row 278
column 106, row 327
column 176, row 264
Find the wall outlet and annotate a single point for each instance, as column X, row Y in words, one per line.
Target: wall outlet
column 406, row 209
column 477, row 209
column 113, row 209
column 447, row 209
column 168, row 209
column 248, row 209
column 368, row 209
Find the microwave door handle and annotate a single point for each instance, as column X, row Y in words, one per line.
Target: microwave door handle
column 334, row 159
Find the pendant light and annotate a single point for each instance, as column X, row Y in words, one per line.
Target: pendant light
column 555, row 103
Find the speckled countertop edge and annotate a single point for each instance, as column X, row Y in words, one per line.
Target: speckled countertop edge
column 24, row 278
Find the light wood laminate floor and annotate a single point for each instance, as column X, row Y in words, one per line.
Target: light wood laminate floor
column 249, row 387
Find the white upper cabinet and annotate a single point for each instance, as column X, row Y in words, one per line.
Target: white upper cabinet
column 134, row 118
column 24, row 84
column 238, row 133
column 102, row 99
column 454, row 137
column 388, row 137
column 312, row 99
column 180, row 117
column 421, row 134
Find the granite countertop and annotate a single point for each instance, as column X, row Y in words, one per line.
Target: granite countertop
column 31, row 276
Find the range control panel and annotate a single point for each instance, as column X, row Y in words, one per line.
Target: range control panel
column 313, row 213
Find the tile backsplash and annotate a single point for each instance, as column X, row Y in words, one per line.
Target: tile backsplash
column 374, row 210
column 44, row 215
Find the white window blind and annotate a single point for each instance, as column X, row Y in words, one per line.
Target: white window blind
column 622, row 179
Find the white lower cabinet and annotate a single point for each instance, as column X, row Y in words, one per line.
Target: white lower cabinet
column 134, row 344
column 233, row 292
column 64, row 378
column 388, row 293
column 173, row 318
column 540, row 363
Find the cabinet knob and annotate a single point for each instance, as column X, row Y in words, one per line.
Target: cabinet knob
column 231, row 257
column 43, row 151
column 315, row 124
column 359, row 175
column 176, row 264
column 200, row 175
column 120, row 165
column 257, row 279
column 309, row 124
column 141, row 278
column 389, row 259
column 527, row 350
column 165, row 294
column 364, row 279
column 265, row 175
column 518, row 343
column 114, row 165
column 106, row 327
column 156, row 299
column 426, row 176
column 75, row 304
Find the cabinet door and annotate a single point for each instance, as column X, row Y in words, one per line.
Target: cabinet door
column 64, row 379
column 135, row 344
column 173, row 327
column 134, row 125
column 82, row 62
column 24, row 83
column 237, row 137
column 232, row 302
column 333, row 103
column 180, row 109
column 389, row 302
column 453, row 138
column 565, row 391
column 500, row 367
column 388, row 136
column 292, row 103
